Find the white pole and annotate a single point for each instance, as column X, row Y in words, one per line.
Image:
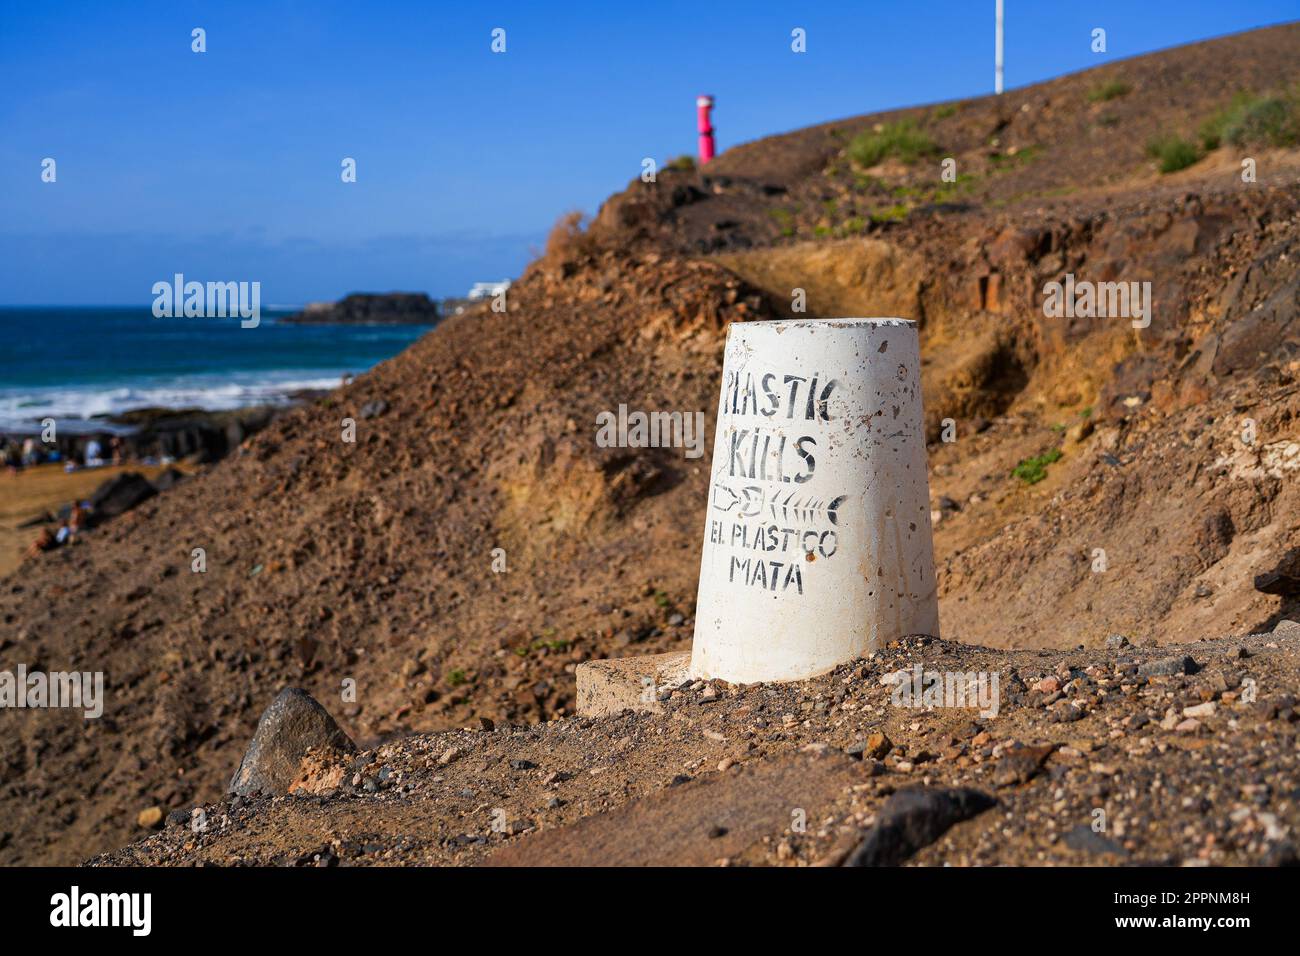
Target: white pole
column 997, row 55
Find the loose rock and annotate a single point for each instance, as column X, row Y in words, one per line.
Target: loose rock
column 914, row 818
column 290, row 727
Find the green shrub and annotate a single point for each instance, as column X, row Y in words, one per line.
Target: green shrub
column 947, row 192
column 1210, row 131
column 895, row 213
column 683, row 163
column 1109, row 90
column 1172, row 153
column 902, row 139
column 1250, row 120
column 1033, row 470
column 1020, row 157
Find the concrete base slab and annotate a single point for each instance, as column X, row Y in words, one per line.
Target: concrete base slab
column 629, row 683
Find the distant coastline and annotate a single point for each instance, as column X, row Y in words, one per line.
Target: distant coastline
column 88, row 367
column 364, row 308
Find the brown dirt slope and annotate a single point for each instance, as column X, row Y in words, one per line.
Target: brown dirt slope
column 372, row 561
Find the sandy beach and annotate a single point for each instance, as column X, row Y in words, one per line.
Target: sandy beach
column 44, row 489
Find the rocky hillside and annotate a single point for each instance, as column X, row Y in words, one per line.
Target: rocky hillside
column 375, row 561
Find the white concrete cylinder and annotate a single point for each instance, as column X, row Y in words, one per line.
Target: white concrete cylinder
column 817, row 542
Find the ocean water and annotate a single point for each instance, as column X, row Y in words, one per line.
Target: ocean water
column 75, row 363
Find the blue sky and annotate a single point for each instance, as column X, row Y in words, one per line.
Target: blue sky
column 225, row 165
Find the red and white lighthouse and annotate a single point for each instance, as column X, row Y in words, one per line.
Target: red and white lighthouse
column 704, row 109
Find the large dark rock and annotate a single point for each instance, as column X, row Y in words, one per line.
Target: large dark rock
column 1254, row 337
column 390, row 308
column 1169, row 666
column 192, row 433
column 168, row 479
column 120, row 494
column 185, row 433
column 1284, row 576
column 292, row 725
column 914, row 818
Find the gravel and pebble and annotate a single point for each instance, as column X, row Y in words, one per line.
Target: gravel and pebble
column 1177, row 756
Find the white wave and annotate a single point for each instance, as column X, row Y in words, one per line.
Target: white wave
column 73, row 407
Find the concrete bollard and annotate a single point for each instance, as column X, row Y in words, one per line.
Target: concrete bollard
column 817, row 543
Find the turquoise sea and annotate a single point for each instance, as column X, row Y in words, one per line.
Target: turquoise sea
column 75, row 363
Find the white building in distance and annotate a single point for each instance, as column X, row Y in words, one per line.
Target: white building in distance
column 486, row 290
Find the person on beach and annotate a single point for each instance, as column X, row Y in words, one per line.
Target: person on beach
column 94, row 453
column 116, row 449
column 45, row 541
column 75, row 524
